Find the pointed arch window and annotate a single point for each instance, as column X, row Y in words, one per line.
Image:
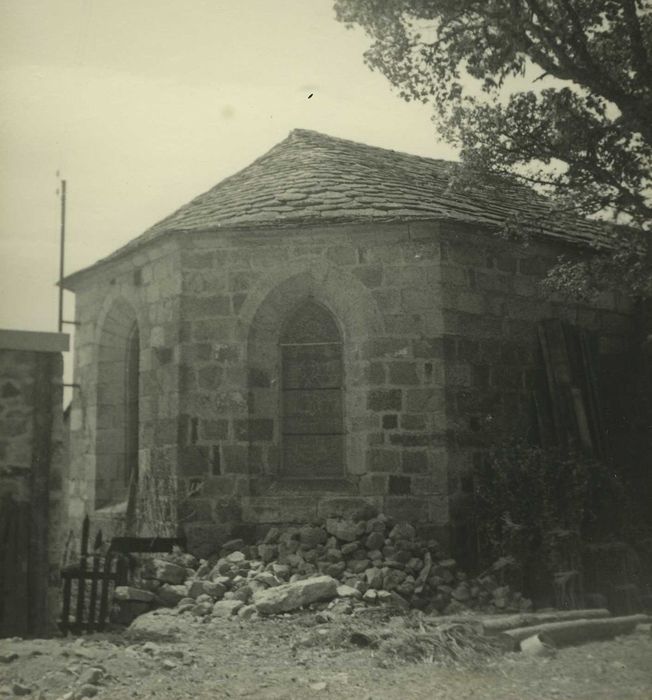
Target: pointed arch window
column 311, row 394
column 132, row 401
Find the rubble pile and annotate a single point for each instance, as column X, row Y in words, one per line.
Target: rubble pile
column 344, row 562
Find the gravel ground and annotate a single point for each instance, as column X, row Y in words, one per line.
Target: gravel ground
column 296, row 657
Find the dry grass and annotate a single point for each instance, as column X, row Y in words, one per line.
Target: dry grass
column 407, row 639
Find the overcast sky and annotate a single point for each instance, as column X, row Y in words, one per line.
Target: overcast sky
column 143, row 104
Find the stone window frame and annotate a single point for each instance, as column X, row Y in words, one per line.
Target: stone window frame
column 359, row 319
column 110, row 486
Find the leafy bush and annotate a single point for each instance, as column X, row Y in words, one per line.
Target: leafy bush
column 537, row 506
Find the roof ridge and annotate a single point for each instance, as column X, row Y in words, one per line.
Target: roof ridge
column 312, row 132
column 312, row 178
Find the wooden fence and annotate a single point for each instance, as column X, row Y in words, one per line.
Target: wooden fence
column 88, row 584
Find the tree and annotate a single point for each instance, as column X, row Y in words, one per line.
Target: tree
column 554, row 93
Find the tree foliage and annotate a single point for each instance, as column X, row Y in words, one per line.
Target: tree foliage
column 557, row 93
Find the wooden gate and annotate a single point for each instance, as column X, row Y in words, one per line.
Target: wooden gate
column 88, row 584
column 16, row 611
column 102, row 571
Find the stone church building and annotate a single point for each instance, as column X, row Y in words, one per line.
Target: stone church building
column 329, row 327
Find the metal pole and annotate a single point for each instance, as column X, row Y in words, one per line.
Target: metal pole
column 61, row 251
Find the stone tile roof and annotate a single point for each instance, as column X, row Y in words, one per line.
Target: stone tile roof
column 312, row 178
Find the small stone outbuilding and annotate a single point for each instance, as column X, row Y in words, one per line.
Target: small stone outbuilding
column 330, row 326
column 32, row 479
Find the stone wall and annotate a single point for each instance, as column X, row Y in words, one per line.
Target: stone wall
column 32, row 472
column 439, row 334
column 139, row 292
column 492, row 304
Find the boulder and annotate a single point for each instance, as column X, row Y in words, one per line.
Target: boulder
column 402, row 531
column 132, row 594
column 267, row 552
column 344, row 591
column 235, row 557
column 374, row 577
column 233, row 545
column 291, row 596
column 349, row 548
column 165, row 571
column 214, row 589
column 312, row 536
column 157, row 622
column 226, row 608
column 375, row 540
column 344, row 530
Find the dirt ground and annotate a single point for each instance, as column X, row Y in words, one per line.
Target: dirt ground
column 305, row 656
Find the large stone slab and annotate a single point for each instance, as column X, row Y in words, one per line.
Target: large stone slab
column 165, row 571
column 129, row 593
column 291, row 596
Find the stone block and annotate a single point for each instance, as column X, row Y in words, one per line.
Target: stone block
column 381, row 460
column 386, row 347
column 399, row 485
column 213, row 329
column 205, row 307
column 258, row 378
column 342, row 255
column 384, row 400
column 403, row 373
column 412, row 299
column 240, row 281
column 415, row 461
column 373, row 485
column 235, row 459
column 414, row 421
column 370, row 275
column 374, row 373
column 226, row 353
column 292, row 596
column 279, row 509
column 341, row 507
column 390, row 422
column 410, row 439
column 408, row 508
column 254, row 429
column 458, row 374
column 425, row 400
column 209, row 378
column 388, row 299
column 194, row 460
column 404, row 324
column 428, row 348
column 129, row 593
column 195, row 509
column 204, row 539
column 214, row 429
column 196, row 261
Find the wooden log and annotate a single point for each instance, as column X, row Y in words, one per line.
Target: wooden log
column 500, row 623
column 573, row 632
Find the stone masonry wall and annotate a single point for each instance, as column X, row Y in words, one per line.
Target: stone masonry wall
column 384, row 292
column 438, row 323
column 491, row 305
column 32, row 465
column 142, row 289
